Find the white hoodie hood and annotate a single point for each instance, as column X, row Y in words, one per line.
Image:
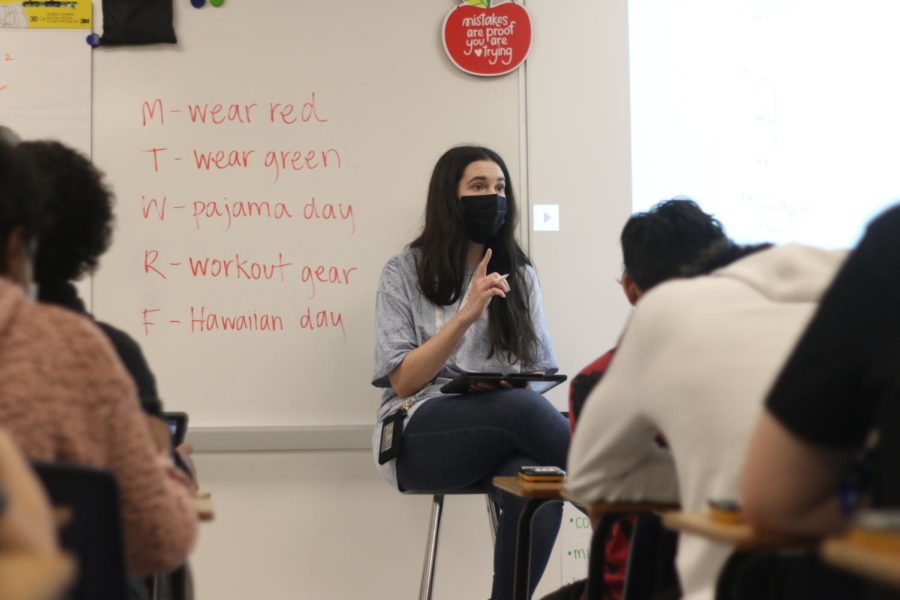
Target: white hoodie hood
column 789, row 273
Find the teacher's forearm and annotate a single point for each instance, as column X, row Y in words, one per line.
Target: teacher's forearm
column 421, row 366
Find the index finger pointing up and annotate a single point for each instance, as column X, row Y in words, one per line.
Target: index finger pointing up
column 481, row 271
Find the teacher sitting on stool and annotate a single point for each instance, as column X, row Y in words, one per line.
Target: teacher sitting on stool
column 464, row 297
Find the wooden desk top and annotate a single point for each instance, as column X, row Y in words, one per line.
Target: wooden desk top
column 27, row 577
column 529, row 489
column 740, row 535
column 555, row 490
column 871, row 554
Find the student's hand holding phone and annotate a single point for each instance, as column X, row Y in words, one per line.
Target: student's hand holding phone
column 483, row 289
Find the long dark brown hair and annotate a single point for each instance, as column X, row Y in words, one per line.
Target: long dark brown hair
column 444, row 247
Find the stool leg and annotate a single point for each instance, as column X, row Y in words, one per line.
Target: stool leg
column 437, row 508
column 492, row 517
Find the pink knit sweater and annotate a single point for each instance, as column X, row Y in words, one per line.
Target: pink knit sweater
column 64, row 396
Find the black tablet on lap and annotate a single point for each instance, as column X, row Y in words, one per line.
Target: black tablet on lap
column 538, row 382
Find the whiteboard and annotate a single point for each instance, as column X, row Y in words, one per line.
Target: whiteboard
column 45, row 85
column 254, row 240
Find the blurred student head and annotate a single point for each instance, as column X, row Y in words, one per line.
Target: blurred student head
column 19, row 208
column 76, row 224
column 656, row 244
column 8, row 136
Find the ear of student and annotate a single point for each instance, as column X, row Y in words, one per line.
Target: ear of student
column 631, row 289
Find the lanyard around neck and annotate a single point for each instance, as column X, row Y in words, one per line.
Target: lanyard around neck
column 439, row 310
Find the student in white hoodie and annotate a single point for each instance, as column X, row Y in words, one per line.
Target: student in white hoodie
column 695, row 363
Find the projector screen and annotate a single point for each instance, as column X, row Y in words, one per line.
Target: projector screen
column 781, row 117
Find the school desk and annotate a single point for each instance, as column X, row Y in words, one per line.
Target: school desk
column 868, row 553
column 538, row 494
column 740, row 534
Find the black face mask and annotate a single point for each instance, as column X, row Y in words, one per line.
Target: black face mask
column 484, row 216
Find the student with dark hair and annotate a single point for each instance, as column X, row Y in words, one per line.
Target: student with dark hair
column 19, row 208
column 76, row 230
column 841, row 383
column 656, row 246
column 8, row 136
column 657, row 243
column 694, row 364
column 464, row 297
column 64, row 395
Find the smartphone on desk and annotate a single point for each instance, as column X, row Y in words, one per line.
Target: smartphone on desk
column 178, row 423
column 541, row 474
column 725, row 511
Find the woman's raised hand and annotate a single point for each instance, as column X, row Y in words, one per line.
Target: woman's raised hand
column 484, row 287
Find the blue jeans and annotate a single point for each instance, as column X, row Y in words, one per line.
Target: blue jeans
column 454, row 442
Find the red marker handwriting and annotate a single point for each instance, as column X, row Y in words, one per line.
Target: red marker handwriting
column 154, row 203
column 298, row 160
column 238, row 268
column 284, row 113
column 155, row 157
column 152, row 110
column 236, row 113
column 222, row 159
column 218, row 113
column 204, row 321
column 323, row 319
column 147, row 322
column 329, row 212
column 150, row 257
column 324, row 274
column 239, row 209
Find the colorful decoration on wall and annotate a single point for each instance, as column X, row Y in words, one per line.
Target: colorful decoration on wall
column 45, row 14
column 485, row 37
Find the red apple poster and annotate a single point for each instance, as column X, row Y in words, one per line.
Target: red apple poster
column 482, row 37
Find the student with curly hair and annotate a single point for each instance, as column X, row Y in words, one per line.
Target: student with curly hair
column 64, row 395
column 76, row 229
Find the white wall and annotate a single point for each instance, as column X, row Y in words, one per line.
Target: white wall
column 579, row 158
column 322, row 525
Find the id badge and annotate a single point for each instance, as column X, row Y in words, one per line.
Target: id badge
column 391, row 436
